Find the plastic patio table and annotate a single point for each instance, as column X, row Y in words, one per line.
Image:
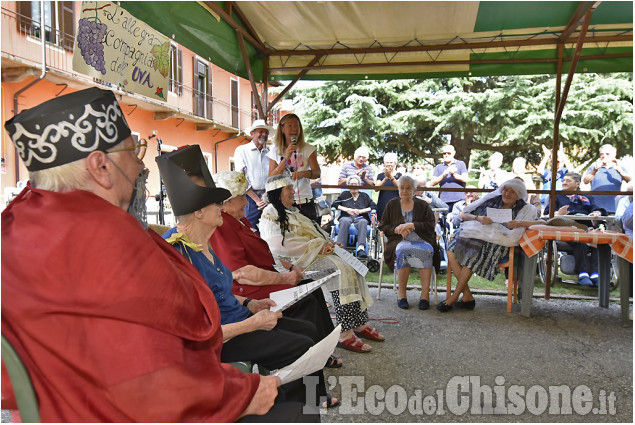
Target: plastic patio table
column 533, row 240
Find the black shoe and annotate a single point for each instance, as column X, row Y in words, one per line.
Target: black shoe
column 361, row 253
column 403, row 303
column 443, row 307
column 424, row 304
column 465, row 305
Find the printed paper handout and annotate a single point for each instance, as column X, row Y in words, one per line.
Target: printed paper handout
column 351, row 260
column 499, row 215
column 287, row 297
column 314, row 359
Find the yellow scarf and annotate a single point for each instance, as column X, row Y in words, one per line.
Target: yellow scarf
column 182, row 238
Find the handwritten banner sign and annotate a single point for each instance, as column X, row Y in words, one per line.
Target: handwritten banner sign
column 116, row 47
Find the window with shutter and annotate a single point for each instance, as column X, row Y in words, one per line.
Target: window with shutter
column 209, row 98
column 24, row 17
column 59, row 21
column 67, row 24
column 175, row 76
column 200, row 83
column 180, row 72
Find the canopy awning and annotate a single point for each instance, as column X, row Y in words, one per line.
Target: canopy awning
column 395, row 39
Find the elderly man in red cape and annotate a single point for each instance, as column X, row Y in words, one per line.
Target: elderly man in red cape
column 112, row 323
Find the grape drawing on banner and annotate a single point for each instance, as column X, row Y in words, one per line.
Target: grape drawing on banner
column 90, row 39
column 121, row 50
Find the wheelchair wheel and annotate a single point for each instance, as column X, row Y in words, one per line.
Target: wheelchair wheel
column 614, row 273
column 373, row 266
column 542, row 265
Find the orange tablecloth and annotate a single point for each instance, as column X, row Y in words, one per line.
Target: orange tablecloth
column 533, row 241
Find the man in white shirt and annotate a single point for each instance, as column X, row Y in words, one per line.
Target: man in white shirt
column 253, row 157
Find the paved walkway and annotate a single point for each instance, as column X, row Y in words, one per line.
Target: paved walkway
column 430, row 358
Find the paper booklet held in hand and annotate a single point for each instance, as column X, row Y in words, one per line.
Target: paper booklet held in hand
column 287, row 297
column 351, row 260
column 499, row 215
column 314, row 359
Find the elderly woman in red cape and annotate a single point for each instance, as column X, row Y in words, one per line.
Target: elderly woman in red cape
column 247, row 255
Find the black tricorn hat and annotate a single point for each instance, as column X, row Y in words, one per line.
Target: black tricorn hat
column 186, row 196
column 67, row 128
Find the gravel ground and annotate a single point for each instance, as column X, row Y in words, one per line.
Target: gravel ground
column 443, row 367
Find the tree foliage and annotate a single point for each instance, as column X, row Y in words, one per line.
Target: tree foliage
column 513, row 115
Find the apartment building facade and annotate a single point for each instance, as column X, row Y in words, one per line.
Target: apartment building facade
column 205, row 105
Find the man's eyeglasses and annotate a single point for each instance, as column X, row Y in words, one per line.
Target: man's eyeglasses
column 139, row 149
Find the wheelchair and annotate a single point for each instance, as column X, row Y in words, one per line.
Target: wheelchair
column 564, row 261
column 444, row 230
column 373, row 245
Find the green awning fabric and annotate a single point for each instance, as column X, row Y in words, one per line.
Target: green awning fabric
column 191, row 25
column 339, row 26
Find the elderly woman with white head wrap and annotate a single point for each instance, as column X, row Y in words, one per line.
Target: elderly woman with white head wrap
column 479, row 244
column 387, row 179
column 294, row 237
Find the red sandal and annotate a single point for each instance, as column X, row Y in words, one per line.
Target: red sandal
column 370, row 333
column 353, row 344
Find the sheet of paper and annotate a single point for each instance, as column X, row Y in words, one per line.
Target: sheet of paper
column 287, row 297
column 314, row 359
column 351, row 260
column 499, row 215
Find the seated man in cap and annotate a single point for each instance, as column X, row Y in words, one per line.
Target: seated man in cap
column 111, row 323
column 250, row 330
column 247, row 255
column 254, row 158
column 586, row 257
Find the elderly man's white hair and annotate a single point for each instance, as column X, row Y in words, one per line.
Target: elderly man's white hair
column 608, row 147
column 390, row 157
column 361, row 151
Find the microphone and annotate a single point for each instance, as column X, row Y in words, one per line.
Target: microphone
column 294, row 140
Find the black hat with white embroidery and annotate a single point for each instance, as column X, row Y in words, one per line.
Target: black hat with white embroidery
column 68, row 128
